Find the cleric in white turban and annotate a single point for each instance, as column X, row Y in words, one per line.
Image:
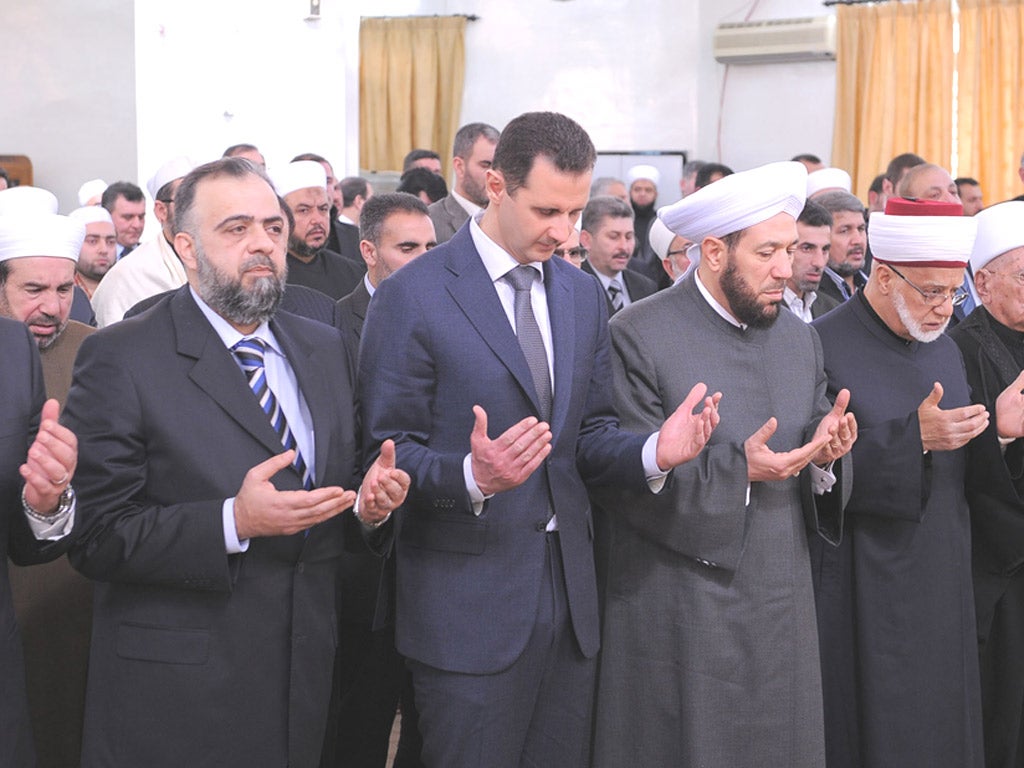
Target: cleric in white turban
column 896, row 601
column 710, row 617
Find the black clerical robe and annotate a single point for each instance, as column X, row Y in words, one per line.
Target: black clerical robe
column 994, row 357
column 895, row 600
column 328, row 272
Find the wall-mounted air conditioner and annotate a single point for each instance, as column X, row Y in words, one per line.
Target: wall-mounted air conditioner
column 762, row 42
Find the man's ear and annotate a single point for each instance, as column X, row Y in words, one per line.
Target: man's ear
column 185, row 247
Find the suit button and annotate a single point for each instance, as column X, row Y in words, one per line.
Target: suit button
column 541, row 526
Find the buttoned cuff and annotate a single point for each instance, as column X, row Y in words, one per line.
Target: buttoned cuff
column 649, row 456
column 476, row 496
column 232, row 544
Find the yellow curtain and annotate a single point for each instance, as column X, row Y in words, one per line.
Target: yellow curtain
column 990, row 112
column 411, row 72
column 894, row 86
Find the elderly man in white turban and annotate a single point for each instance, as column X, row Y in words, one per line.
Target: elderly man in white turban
column 710, row 646
column 154, row 266
column 895, row 600
column 991, row 340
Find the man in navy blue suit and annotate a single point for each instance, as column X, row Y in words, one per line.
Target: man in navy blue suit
column 487, row 335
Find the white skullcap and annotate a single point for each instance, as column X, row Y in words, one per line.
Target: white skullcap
column 648, row 172
column 660, row 237
column 302, row 174
column 922, row 233
column 24, row 201
column 736, row 202
column 40, row 234
column 828, row 178
column 175, row 168
column 1000, row 229
column 90, row 214
column 91, row 189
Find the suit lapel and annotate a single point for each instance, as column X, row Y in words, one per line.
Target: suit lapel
column 471, row 288
column 562, row 313
column 216, row 372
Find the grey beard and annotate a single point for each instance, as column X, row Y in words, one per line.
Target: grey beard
column 229, row 299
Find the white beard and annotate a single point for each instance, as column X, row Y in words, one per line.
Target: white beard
column 912, row 325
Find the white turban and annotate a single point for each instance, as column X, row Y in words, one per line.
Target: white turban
column 24, row 201
column 648, row 172
column 922, row 233
column 173, row 169
column 91, row 189
column 90, row 214
column 1000, row 229
column 739, row 201
column 40, row 234
column 828, row 178
column 660, row 237
column 302, row 174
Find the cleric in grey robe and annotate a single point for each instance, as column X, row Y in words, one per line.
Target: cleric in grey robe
column 991, row 340
column 895, row 600
column 709, row 646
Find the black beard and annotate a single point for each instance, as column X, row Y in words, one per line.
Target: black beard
column 743, row 301
column 846, row 269
column 642, row 211
column 303, row 251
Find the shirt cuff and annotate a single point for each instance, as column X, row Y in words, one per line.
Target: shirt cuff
column 232, row 544
column 55, row 528
column 822, row 478
column 476, row 496
column 649, row 457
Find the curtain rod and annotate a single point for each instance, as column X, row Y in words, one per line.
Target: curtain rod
column 466, row 16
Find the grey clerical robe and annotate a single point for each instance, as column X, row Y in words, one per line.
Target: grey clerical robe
column 895, row 602
column 710, row 652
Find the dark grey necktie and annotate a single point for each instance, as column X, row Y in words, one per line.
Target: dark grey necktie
column 528, row 332
column 615, row 294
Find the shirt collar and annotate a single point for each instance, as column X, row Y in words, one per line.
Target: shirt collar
column 231, row 335
column 467, row 205
column 497, row 261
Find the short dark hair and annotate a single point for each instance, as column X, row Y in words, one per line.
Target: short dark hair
column 185, row 197
column 559, row 139
column 237, row 149
column 312, row 156
column 5, row 271
column 814, row 215
column 901, row 164
column 352, row 187
column 967, row 181
column 839, row 200
column 4, row 175
column 379, row 207
column 125, row 189
column 876, row 184
column 417, row 180
column 418, row 154
column 467, row 135
column 693, row 167
column 707, row 171
column 604, row 206
column 806, row 158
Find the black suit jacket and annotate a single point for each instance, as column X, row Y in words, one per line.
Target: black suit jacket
column 199, row 657
column 637, row 286
column 21, row 398
column 350, row 314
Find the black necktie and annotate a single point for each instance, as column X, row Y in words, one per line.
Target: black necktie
column 528, row 333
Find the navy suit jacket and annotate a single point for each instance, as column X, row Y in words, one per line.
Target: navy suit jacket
column 199, row 657
column 436, row 343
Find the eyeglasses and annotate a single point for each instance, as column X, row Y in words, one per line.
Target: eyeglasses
column 934, row 298
column 573, row 253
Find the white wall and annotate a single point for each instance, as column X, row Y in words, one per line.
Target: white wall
column 67, row 91
column 212, row 73
column 770, row 111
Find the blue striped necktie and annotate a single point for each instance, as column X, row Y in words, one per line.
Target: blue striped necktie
column 249, row 352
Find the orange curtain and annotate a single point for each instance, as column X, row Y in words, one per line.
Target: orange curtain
column 411, row 71
column 990, row 112
column 894, row 86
